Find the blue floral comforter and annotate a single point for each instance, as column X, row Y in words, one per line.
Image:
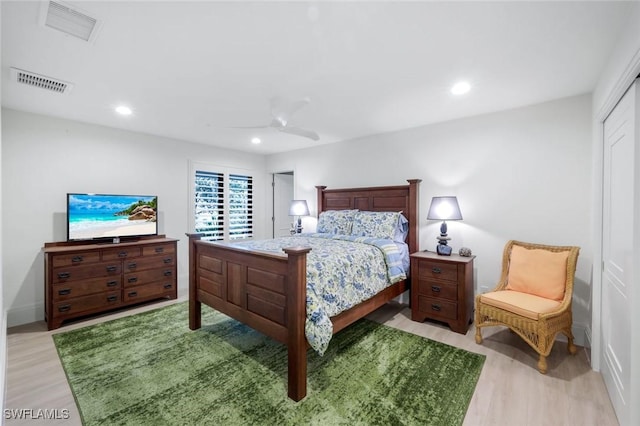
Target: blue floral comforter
column 342, row 271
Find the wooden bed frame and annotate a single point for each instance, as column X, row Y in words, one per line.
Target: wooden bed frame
column 267, row 291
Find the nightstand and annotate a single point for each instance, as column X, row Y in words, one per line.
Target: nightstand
column 442, row 289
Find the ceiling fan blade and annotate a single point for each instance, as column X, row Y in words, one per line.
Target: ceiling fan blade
column 250, row 127
column 282, row 110
column 297, row 105
column 300, row 132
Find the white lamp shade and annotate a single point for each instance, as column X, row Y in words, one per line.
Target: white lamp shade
column 299, row 208
column 444, row 208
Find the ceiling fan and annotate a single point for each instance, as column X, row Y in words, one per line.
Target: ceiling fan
column 281, row 112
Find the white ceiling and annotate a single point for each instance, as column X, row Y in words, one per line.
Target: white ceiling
column 193, row 70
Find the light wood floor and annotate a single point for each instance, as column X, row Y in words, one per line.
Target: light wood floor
column 510, row 390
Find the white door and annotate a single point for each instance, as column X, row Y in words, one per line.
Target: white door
column 620, row 130
column 282, row 196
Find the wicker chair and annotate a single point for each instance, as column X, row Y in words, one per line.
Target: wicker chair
column 535, row 318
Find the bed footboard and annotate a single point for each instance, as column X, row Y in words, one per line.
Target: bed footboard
column 265, row 291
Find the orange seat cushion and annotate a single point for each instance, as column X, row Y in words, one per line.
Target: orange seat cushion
column 538, row 272
column 523, row 304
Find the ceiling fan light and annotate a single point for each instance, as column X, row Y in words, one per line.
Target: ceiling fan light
column 123, row 110
column 460, row 88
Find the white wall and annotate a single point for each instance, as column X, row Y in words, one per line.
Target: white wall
column 520, row 174
column 44, row 158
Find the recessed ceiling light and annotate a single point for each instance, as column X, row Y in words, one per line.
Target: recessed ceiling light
column 123, row 110
column 255, row 141
column 460, row 88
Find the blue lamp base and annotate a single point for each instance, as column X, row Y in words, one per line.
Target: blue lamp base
column 443, row 250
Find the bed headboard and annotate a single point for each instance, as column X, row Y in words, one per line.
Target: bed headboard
column 403, row 198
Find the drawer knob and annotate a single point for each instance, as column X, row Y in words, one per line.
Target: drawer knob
column 77, row 259
column 112, row 298
column 435, row 288
column 64, row 308
column 112, row 268
column 436, row 307
column 132, row 279
column 112, row 283
column 436, row 270
column 167, row 260
column 168, row 273
column 133, row 293
column 122, row 254
column 168, row 286
column 132, row 265
column 159, row 249
column 64, row 291
column 63, row 275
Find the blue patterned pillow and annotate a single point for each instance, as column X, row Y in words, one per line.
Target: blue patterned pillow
column 336, row 221
column 375, row 224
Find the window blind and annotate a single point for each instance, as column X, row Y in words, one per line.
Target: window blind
column 209, row 205
column 240, row 207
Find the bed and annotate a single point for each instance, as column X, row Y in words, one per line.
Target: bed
column 267, row 290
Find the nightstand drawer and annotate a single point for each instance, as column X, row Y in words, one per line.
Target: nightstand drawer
column 438, row 289
column 438, row 307
column 438, row 270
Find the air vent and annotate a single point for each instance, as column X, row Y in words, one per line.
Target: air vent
column 69, row 20
column 41, row 81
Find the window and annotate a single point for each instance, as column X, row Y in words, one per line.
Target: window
column 209, row 205
column 223, row 205
column 240, row 207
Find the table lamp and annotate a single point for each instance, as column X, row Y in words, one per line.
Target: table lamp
column 298, row 208
column 444, row 208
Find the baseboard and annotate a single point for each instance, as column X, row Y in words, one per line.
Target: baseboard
column 587, row 345
column 579, row 332
column 3, row 357
column 25, row 314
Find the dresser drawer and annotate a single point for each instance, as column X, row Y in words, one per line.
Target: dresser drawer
column 75, row 259
column 158, row 249
column 87, row 303
column 149, row 262
column 144, row 277
column 72, row 289
column 80, row 272
column 438, row 270
column 438, row 308
column 156, row 289
column 121, row 253
column 438, row 289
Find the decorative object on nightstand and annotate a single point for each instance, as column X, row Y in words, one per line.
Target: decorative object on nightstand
column 442, row 289
column 444, row 208
column 464, row 251
column 298, row 208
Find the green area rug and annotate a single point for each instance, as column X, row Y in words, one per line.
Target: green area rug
column 151, row 369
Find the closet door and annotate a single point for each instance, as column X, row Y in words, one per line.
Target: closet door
column 618, row 251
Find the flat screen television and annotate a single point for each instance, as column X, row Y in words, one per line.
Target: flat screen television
column 110, row 216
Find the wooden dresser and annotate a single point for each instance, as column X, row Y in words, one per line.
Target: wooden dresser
column 85, row 279
column 442, row 289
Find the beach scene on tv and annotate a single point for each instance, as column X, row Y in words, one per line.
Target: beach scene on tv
column 93, row 216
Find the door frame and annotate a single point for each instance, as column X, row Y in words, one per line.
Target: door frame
column 272, row 198
column 617, row 91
